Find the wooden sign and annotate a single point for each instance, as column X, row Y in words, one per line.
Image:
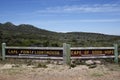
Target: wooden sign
column 64, row 53
column 58, row 52
column 103, row 52
column 34, row 52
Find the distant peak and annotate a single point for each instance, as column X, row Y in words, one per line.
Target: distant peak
column 9, row 24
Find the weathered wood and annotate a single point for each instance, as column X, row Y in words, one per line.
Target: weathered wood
column 90, row 48
column 116, row 53
column 60, row 48
column 3, row 51
column 41, row 48
column 68, row 54
column 93, row 57
column 64, row 53
column 35, row 57
column 61, row 58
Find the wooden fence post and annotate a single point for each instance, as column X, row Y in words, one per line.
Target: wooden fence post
column 66, row 54
column 116, row 53
column 3, row 51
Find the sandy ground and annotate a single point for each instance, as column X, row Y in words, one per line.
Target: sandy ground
column 59, row 72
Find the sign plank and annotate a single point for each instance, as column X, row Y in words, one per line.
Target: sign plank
column 58, row 51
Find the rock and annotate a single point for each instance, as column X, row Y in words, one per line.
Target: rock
column 119, row 56
column 93, row 66
column 7, row 66
column 72, row 61
column 60, row 63
column 89, row 62
column 97, row 62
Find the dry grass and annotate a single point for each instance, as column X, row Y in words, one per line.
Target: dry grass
column 60, row 72
column 30, row 70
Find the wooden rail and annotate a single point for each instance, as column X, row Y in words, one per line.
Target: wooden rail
column 65, row 53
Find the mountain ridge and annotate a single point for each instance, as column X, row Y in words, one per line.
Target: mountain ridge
column 29, row 35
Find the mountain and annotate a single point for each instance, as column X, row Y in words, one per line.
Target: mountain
column 28, row 35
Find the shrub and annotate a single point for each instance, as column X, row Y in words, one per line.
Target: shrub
column 40, row 65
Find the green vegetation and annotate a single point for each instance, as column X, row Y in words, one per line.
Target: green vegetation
column 97, row 74
column 40, row 65
column 28, row 35
column 72, row 65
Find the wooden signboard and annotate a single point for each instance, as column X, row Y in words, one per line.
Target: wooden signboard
column 34, row 51
column 94, row 52
column 58, row 52
column 65, row 53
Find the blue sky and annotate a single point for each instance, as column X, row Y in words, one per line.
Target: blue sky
column 99, row 16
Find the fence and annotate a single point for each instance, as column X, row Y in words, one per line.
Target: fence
column 65, row 53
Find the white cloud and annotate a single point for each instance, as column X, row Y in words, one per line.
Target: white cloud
column 83, row 9
column 73, row 21
column 99, row 20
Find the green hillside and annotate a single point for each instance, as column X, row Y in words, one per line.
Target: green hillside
column 28, row 35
